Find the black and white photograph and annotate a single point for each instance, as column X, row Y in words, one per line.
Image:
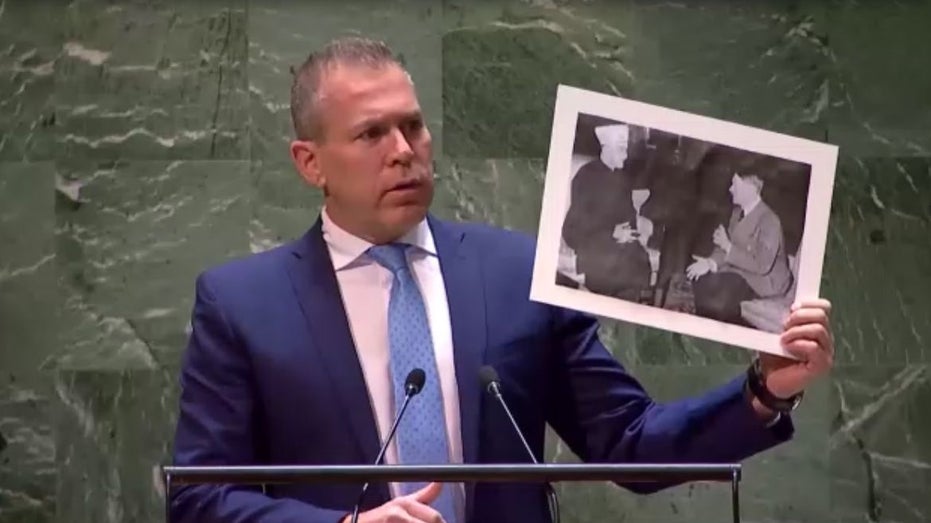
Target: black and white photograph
column 679, row 221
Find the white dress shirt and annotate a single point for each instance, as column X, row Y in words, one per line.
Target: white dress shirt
column 365, row 287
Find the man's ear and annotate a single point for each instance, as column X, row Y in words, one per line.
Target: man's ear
column 307, row 162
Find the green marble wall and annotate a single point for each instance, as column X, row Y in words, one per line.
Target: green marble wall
column 141, row 142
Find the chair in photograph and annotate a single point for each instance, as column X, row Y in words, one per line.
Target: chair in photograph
column 768, row 313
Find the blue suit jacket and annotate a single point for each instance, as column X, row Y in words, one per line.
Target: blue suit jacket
column 270, row 376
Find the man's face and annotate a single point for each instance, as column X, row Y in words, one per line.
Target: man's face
column 614, row 151
column 742, row 190
column 618, row 146
column 374, row 156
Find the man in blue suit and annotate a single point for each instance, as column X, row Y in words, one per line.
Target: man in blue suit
column 294, row 354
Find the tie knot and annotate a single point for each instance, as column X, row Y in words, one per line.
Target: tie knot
column 391, row 256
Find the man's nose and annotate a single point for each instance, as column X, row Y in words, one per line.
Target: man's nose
column 402, row 150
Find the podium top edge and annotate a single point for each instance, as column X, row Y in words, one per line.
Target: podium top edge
column 482, row 467
column 623, row 472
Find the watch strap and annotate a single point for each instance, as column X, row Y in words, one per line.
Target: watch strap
column 757, row 386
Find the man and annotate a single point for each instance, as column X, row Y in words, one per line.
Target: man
column 297, row 354
column 749, row 259
column 600, row 226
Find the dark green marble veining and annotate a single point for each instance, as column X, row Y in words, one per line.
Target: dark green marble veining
column 131, row 238
column 28, row 298
column 114, row 429
column 283, row 33
column 878, row 263
column 880, row 447
column 763, row 65
column 142, row 142
column 27, row 337
column 283, row 206
column 881, row 98
column 180, row 94
column 507, row 192
column 27, row 67
column 27, row 449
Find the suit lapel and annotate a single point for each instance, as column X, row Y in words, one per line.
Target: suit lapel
column 314, row 280
column 743, row 227
column 462, row 276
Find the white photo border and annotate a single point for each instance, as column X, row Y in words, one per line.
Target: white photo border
column 570, row 102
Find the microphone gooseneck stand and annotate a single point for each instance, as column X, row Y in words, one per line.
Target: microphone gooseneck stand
column 413, row 384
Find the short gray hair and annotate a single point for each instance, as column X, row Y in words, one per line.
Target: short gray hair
column 350, row 50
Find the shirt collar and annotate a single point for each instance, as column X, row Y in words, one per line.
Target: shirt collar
column 347, row 248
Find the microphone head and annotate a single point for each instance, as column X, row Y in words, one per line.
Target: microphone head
column 415, row 380
column 488, row 375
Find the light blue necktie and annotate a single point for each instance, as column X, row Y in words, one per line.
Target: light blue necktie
column 421, row 435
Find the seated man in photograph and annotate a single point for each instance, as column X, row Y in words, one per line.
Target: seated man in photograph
column 600, row 227
column 749, row 260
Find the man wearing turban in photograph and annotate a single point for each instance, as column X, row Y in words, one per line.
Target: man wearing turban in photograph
column 601, row 225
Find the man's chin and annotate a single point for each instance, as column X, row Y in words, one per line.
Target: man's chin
column 408, row 215
column 397, row 220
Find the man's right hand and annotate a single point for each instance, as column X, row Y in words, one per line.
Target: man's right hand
column 623, row 233
column 413, row 508
column 721, row 239
column 700, row 267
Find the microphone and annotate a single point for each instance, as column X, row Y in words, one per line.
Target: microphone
column 492, row 384
column 413, row 384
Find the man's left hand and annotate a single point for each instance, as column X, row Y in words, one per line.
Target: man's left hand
column 807, row 336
